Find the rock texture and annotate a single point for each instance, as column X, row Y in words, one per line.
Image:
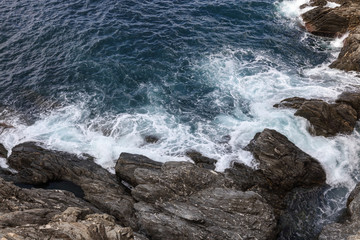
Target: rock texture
column 327, row 119
column 201, row 160
column 335, row 22
column 53, row 214
column 350, row 229
column 36, row 213
column 174, row 200
column 128, row 163
column 185, row 201
column 349, row 57
column 3, row 151
column 284, row 165
column 36, row 165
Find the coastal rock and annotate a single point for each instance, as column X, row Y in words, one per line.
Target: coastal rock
column 294, row 102
column 284, row 165
column 352, row 99
column 332, row 22
column 127, row 163
column 328, row 119
column 349, row 229
column 73, row 223
column 349, row 57
column 3, row 151
column 201, row 160
column 185, row 201
column 36, row 165
column 21, row 207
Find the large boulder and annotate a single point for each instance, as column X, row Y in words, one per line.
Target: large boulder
column 36, row 165
column 185, row 201
column 283, row 164
column 201, row 160
column 352, row 99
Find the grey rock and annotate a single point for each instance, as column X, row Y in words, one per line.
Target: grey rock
column 352, row 99
column 127, row 163
column 36, row 165
column 185, row 201
column 73, row 223
column 201, row 160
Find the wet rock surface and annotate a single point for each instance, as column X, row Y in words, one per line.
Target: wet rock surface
column 327, row 119
column 3, row 151
column 201, row 160
column 128, row 163
column 334, row 22
column 36, row 165
column 349, row 229
column 284, row 165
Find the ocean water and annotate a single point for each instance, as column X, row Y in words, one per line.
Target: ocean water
column 95, row 77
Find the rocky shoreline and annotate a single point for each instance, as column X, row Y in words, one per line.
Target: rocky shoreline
column 335, row 21
column 178, row 199
column 146, row 199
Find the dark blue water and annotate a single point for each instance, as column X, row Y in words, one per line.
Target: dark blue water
column 118, row 52
column 98, row 76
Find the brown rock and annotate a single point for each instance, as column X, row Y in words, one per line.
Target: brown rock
column 349, row 57
column 201, row 160
column 283, row 164
column 328, row 119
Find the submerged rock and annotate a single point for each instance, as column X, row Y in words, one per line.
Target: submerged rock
column 36, row 165
column 151, row 139
column 349, row 229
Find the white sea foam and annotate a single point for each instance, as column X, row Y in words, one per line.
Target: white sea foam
column 332, row 5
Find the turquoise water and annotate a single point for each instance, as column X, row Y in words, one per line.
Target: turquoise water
column 97, row 76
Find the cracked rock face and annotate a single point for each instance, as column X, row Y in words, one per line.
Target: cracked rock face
column 185, row 201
